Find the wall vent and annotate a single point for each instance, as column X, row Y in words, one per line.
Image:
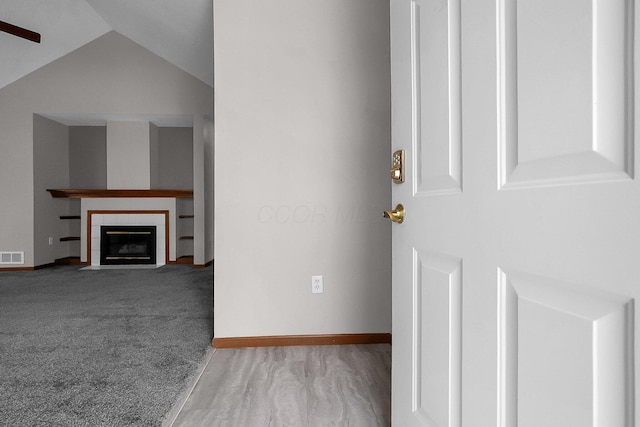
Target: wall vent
column 11, row 258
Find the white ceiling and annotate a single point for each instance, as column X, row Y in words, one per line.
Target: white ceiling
column 180, row 31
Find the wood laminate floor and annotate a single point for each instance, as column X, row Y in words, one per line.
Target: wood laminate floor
column 348, row 385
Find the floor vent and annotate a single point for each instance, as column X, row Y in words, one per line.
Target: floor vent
column 11, row 258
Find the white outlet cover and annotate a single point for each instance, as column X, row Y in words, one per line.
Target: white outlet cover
column 317, row 286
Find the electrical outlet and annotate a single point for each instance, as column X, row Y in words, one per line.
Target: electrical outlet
column 50, row 241
column 317, row 286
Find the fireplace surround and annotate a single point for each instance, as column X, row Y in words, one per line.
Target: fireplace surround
column 97, row 219
column 159, row 207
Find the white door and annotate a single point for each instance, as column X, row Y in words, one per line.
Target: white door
column 517, row 266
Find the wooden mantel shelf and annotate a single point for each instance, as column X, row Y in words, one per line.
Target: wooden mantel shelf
column 79, row 194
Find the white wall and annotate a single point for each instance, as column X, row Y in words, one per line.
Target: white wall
column 110, row 75
column 302, row 137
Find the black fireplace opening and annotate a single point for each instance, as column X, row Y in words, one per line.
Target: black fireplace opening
column 127, row 244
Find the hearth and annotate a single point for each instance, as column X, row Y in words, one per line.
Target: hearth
column 127, row 244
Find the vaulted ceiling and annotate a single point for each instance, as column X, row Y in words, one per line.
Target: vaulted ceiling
column 180, row 31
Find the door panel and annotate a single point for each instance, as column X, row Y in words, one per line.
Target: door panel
column 565, row 78
column 436, row 96
column 551, row 52
column 565, row 347
column 513, row 294
column 437, row 310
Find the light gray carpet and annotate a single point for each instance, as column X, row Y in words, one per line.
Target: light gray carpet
column 100, row 348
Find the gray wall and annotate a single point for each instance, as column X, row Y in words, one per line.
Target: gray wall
column 154, row 153
column 171, row 154
column 209, row 188
column 302, row 137
column 184, row 227
column 129, row 155
column 88, row 156
column 199, row 189
column 110, row 75
column 51, row 166
column 174, row 168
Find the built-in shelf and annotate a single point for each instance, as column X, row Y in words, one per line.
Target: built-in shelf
column 69, row 216
column 68, row 239
column 70, row 260
column 93, row 193
column 184, row 231
column 185, row 259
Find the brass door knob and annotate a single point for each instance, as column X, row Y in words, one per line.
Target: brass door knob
column 395, row 215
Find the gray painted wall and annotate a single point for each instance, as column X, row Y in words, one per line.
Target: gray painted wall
column 199, row 189
column 174, row 168
column 171, row 154
column 209, row 188
column 88, row 156
column 184, row 227
column 302, row 137
column 128, row 155
column 154, row 153
column 109, row 75
column 51, row 166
